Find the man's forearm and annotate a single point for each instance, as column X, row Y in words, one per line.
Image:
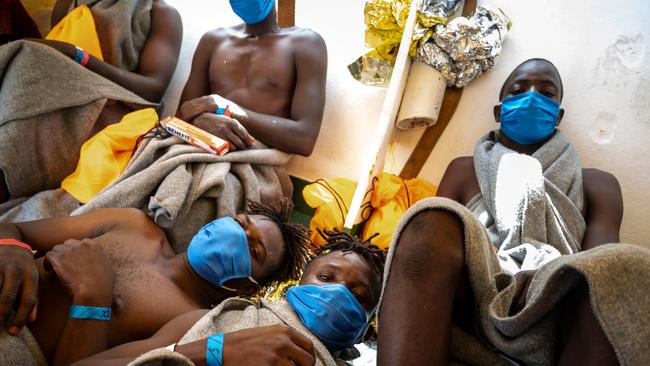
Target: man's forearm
column 82, row 338
column 281, row 133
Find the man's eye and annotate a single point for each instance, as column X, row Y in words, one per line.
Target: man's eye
column 254, row 252
column 323, row 277
column 548, row 93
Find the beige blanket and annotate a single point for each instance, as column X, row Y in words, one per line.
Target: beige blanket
column 618, row 276
column 183, row 187
column 236, row 314
column 49, row 106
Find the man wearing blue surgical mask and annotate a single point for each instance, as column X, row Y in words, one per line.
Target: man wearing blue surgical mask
column 328, row 312
column 258, row 80
column 526, row 187
column 110, row 276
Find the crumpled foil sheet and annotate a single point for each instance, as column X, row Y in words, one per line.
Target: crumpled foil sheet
column 466, row 47
column 385, row 21
column 461, row 49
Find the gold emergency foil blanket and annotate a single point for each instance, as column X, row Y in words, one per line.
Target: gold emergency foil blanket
column 460, row 49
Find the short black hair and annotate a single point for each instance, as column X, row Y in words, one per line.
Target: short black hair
column 372, row 254
column 535, row 59
column 295, row 236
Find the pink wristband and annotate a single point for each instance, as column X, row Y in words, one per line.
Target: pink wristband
column 16, row 243
column 85, row 59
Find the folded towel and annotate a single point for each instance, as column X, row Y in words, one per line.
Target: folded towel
column 531, row 205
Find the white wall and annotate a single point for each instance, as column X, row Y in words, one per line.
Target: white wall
column 606, row 87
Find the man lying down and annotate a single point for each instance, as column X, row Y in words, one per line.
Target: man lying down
column 326, row 313
column 110, row 276
column 513, row 263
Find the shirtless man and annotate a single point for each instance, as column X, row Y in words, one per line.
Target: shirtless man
column 429, row 261
column 158, row 56
column 119, row 259
column 276, row 75
column 343, row 260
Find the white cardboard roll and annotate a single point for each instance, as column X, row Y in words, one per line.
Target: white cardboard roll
column 422, row 98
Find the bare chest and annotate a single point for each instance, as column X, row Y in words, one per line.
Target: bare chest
column 258, row 75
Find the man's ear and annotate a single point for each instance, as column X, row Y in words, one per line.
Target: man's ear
column 497, row 113
column 560, row 114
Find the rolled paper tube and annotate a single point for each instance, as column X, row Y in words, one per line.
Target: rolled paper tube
column 422, row 98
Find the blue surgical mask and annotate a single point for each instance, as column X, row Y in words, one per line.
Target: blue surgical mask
column 528, row 118
column 331, row 312
column 219, row 252
column 252, row 11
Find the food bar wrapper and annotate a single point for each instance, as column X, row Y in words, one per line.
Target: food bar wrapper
column 195, row 136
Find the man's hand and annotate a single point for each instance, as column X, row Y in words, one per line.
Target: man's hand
column 195, row 107
column 18, row 287
column 226, row 128
column 274, row 345
column 85, row 271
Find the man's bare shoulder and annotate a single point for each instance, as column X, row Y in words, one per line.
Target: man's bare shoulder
column 306, row 37
column 462, row 166
column 600, row 186
column 161, row 8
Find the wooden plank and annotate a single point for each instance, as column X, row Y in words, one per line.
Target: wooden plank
column 430, row 138
column 286, row 13
column 373, row 163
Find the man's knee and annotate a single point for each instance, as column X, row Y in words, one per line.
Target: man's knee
column 431, row 241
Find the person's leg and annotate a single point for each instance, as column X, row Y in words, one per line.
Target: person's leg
column 584, row 342
column 427, row 269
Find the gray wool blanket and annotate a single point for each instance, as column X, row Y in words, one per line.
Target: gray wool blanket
column 182, row 187
column 530, row 205
column 49, row 106
column 123, row 27
column 232, row 315
column 618, row 277
column 20, row 350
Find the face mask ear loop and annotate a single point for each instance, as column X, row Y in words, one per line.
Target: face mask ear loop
column 228, row 288
column 253, row 281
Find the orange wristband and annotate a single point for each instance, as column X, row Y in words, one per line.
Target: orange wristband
column 16, row 243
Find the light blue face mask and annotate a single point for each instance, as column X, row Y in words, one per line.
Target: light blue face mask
column 528, row 118
column 219, row 252
column 331, row 312
column 252, row 11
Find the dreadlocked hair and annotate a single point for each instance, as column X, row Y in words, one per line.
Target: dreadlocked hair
column 295, row 236
column 340, row 240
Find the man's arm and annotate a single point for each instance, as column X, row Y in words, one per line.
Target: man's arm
column 158, row 57
column 276, row 344
column 297, row 135
column 604, row 208
column 19, row 285
column 198, row 83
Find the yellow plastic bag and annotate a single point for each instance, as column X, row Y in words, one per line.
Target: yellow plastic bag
column 391, row 197
column 105, row 155
column 331, row 198
column 78, row 28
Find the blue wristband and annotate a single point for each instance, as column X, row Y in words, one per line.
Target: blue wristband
column 79, row 55
column 90, row 312
column 214, row 350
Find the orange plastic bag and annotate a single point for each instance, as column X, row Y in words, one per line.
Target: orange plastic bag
column 331, row 198
column 391, row 197
column 105, row 155
column 78, row 28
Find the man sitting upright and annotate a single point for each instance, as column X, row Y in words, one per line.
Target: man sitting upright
column 271, row 79
column 502, row 278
